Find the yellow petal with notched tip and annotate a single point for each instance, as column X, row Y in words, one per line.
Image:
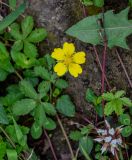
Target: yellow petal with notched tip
column 58, row 54
column 60, row 69
column 68, row 48
column 75, row 69
column 79, row 57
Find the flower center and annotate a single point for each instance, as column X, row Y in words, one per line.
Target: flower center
column 68, row 60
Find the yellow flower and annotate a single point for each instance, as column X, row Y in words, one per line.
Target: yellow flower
column 68, row 60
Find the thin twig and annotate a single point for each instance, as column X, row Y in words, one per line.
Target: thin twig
column 125, row 71
column 87, row 120
column 51, row 146
column 66, row 137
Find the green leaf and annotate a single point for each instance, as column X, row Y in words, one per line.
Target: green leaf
column 87, row 2
column 12, row 16
column 86, row 130
column 42, row 72
column 86, row 144
column 115, row 105
column 3, row 52
column 3, row 116
column 98, row 3
column 56, row 92
column 36, row 131
column 61, row 84
column 10, row 99
column 125, row 119
column 49, row 124
column 108, row 96
column 75, row 135
column 2, row 149
column 37, row 35
column 90, row 96
column 23, row 107
column 119, row 94
column 18, row 131
column 108, row 109
column 12, row 4
column 27, row 26
column 11, row 154
column 65, row 106
column 15, row 31
column 30, row 50
column 39, row 115
column 126, row 131
column 49, row 108
column 50, row 61
column 118, row 107
column 27, row 89
column 7, row 66
column 126, row 101
column 44, row 87
column 3, row 74
column 87, row 30
column 99, row 110
column 18, row 45
column 21, row 60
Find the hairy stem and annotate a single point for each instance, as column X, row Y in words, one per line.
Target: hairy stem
column 66, row 137
column 125, row 71
column 51, row 146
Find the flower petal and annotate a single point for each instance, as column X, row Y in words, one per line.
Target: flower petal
column 99, row 139
column 111, row 131
column 79, row 57
column 75, row 69
column 108, row 139
column 58, row 54
column 68, row 48
column 60, row 69
column 104, row 148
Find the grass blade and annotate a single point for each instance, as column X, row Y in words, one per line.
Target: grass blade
column 12, row 16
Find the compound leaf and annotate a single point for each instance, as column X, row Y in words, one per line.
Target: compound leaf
column 117, row 28
column 37, row 35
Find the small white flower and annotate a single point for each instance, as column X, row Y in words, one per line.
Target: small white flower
column 111, row 131
column 113, row 143
column 119, row 141
column 100, row 131
column 103, row 149
column 108, row 139
column 113, row 150
column 99, row 139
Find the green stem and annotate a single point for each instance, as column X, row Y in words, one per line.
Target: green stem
column 11, row 142
column 18, row 75
column 120, row 154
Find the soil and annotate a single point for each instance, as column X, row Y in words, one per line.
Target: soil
column 57, row 16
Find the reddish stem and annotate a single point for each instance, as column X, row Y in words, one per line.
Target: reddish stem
column 51, row 146
column 98, row 60
column 125, row 71
column 104, row 66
